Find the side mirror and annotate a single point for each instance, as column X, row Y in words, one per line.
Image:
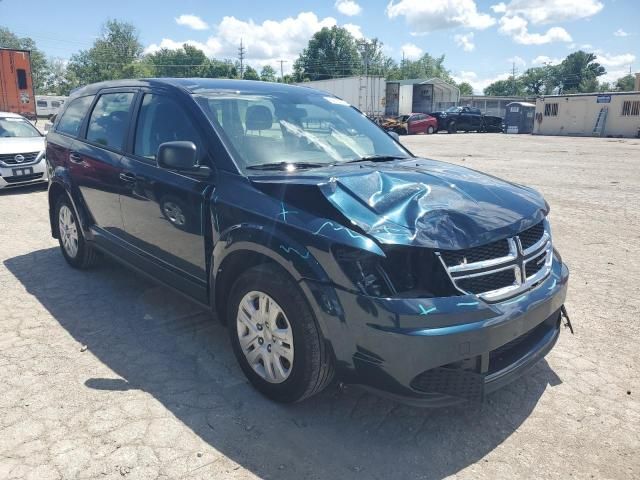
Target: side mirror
column 182, row 157
column 394, row 135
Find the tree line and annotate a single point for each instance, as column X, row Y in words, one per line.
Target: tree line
column 579, row 72
column 331, row 52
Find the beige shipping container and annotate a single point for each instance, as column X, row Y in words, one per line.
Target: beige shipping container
column 615, row 114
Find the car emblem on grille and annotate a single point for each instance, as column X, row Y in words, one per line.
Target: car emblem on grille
column 19, row 158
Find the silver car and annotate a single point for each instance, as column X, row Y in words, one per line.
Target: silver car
column 22, row 151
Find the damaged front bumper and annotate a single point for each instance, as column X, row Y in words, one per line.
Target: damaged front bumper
column 439, row 351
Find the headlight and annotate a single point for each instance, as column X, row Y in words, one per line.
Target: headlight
column 404, row 272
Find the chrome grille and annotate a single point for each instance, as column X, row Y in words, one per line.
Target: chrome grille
column 10, row 158
column 502, row 269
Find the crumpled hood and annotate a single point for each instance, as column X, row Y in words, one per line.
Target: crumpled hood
column 427, row 203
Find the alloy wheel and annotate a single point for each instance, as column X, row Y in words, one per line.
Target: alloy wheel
column 174, row 213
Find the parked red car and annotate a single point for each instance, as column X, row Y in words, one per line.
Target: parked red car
column 412, row 123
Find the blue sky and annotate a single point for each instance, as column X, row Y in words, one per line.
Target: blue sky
column 481, row 39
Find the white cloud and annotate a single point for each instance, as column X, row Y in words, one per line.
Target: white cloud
column 192, row 21
column 465, row 41
column 518, row 61
column 545, row 60
column 348, row 7
column 620, row 33
column 478, row 84
column 549, row 11
column 354, row 30
column 266, row 43
column 425, row 16
column 613, row 61
column 411, row 51
column 517, row 28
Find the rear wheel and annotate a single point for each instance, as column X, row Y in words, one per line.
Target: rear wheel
column 430, row 130
column 75, row 249
column 275, row 337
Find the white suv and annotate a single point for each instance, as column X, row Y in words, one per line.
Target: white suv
column 21, row 152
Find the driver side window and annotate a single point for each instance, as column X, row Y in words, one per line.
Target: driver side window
column 162, row 119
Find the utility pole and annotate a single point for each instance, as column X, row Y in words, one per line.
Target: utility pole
column 513, row 78
column 282, row 62
column 241, row 52
column 402, row 65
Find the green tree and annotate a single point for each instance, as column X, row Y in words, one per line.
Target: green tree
column 579, row 71
column 222, row 69
column 465, row 88
column 505, row 88
column 39, row 63
column 626, row 83
column 115, row 54
column 534, row 80
column 186, row 61
column 426, row 66
column 59, row 80
column 331, row 52
column 250, row 73
column 268, row 74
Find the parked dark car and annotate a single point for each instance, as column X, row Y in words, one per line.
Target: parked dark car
column 326, row 247
column 467, row 119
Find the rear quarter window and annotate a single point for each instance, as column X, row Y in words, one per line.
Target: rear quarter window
column 70, row 121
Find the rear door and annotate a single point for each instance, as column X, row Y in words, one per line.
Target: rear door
column 95, row 161
column 163, row 210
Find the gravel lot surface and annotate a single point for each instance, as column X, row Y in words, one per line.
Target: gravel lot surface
column 104, row 374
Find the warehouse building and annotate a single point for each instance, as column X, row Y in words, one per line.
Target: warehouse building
column 615, row 114
column 420, row 96
column 492, row 105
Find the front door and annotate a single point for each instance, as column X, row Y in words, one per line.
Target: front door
column 94, row 161
column 164, row 211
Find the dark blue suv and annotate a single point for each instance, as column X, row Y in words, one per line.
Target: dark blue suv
column 327, row 248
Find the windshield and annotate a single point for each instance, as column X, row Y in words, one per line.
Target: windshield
column 454, row 109
column 17, row 127
column 301, row 128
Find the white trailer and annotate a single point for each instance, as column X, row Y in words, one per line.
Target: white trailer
column 48, row 105
column 366, row 93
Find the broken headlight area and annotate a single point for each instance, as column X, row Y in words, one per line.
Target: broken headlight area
column 404, row 272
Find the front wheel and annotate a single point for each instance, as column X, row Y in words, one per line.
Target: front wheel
column 75, row 249
column 275, row 336
column 452, row 128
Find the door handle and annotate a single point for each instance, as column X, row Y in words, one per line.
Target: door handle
column 128, row 177
column 75, row 157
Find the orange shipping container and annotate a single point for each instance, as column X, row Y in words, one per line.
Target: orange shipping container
column 16, row 83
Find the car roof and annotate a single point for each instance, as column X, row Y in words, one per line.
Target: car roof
column 199, row 85
column 11, row 115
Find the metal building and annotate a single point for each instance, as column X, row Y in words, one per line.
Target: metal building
column 420, row 96
column 615, row 114
column 492, row 105
column 367, row 93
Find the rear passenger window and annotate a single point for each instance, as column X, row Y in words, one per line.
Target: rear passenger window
column 109, row 120
column 72, row 117
column 161, row 120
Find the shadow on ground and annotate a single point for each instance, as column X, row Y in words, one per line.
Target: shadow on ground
column 160, row 343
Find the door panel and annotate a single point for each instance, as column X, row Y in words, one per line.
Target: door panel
column 95, row 171
column 163, row 216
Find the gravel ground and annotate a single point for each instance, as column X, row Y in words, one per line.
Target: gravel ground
column 104, row 374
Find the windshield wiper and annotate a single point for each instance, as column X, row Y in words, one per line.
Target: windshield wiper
column 287, row 166
column 377, row 158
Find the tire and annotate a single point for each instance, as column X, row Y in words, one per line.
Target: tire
column 310, row 366
column 452, row 127
column 430, row 130
column 75, row 249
